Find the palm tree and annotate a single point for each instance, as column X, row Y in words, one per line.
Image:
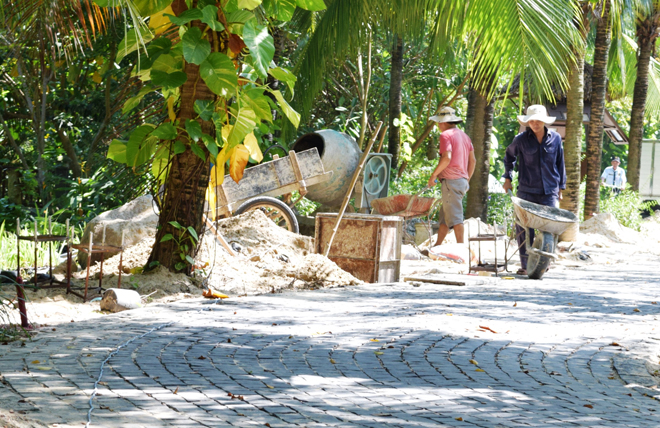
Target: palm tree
column 479, row 125
column 574, row 122
column 647, row 24
column 396, row 77
column 596, row 122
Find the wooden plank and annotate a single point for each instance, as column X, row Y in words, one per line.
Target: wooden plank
column 271, row 176
column 449, row 279
column 296, row 171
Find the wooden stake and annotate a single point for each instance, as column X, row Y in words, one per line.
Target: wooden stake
column 382, row 138
column 219, row 237
column 356, row 175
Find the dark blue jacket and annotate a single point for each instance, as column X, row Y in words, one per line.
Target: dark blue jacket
column 540, row 167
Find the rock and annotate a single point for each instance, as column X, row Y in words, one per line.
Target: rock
column 408, row 252
column 137, row 218
column 120, row 299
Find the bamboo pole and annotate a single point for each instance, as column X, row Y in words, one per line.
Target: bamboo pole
column 356, row 175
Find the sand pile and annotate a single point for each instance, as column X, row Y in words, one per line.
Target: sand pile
column 607, row 225
column 269, row 258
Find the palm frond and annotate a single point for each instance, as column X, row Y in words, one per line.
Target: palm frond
column 69, row 25
column 341, row 29
column 627, row 87
column 513, row 36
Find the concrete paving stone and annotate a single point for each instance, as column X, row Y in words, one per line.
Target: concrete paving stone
column 426, row 380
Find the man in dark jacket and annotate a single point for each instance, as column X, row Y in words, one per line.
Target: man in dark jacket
column 538, row 155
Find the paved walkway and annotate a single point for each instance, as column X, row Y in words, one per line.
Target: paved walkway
column 574, row 349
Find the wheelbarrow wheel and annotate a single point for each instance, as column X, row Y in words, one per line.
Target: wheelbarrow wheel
column 537, row 264
column 276, row 210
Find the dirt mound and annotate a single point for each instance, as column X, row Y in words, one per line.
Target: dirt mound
column 269, row 258
column 607, row 225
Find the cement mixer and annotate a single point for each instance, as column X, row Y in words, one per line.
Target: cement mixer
column 320, row 166
column 340, row 154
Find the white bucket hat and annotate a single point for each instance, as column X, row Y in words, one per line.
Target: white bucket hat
column 536, row 112
column 445, row 115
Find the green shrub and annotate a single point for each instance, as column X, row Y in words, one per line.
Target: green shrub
column 627, row 207
column 500, row 209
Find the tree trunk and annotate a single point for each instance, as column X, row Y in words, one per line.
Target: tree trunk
column 646, row 36
column 365, row 84
column 573, row 141
column 479, row 125
column 15, row 146
column 70, row 152
column 188, row 177
column 598, row 93
column 396, row 76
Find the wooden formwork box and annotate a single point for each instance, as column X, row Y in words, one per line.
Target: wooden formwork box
column 367, row 246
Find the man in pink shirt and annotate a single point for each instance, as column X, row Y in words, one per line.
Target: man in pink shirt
column 454, row 171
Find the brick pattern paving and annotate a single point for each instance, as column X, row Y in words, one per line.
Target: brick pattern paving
column 570, row 350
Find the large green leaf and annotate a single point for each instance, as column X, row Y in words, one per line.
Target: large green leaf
column 194, row 129
column 159, row 166
column 204, row 108
column 168, row 80
column 165, row 131
column 290, row 113
column 195, row 49
column 245, row 123
column 284, row 75
column 167, row 63
column 133, row 102
column 258, row 102
column 210, row 18
column 230, row 6
column 210, row 144
column 248, row 4
column 313, row 5
column 149, row 7
column 187, row 16
column 261, row 46
column 132, row 42
column 135, row 147
column 155, row 48
column 117, row 151
column 280, row 9
column 198, row 151
column 240, row 16
column 178, row 147
column 219, row 74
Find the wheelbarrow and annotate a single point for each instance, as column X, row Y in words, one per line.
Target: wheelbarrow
column 407, row 206
column 550, row 222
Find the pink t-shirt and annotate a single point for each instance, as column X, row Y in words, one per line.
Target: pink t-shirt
column 459, row 144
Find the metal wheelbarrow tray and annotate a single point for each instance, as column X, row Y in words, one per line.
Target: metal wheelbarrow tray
column 547, row 219
column 551, row 222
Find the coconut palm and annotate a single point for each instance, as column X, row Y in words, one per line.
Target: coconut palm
column 598, row 92
column 647, row 24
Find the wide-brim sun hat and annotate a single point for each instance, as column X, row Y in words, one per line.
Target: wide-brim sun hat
column 536, row 112
column 446, row 115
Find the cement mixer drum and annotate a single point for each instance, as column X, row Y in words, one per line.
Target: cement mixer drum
column 339, row 153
